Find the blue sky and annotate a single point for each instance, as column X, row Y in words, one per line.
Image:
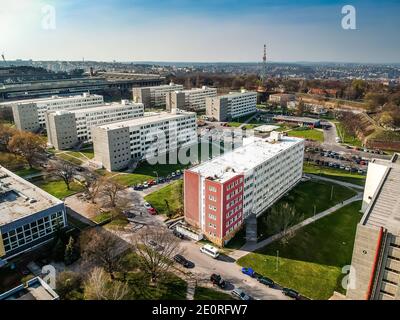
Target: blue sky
column 202, row 30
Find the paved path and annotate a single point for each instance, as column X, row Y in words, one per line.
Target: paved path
column 250, row 247
column 248, row 120
column 342, row 183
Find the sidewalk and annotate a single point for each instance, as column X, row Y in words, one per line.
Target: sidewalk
column 250, row 247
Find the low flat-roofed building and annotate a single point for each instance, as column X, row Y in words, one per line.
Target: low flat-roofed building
column 375, row 272
column 67, row 128
column 282, row 98
column 29, row 216
column 303, row 121
column 34, row 289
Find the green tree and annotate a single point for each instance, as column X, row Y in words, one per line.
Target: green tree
column 71, row 253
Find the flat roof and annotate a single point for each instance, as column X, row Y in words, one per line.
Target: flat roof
column 253, row 152
column 20, row 198
column 384, row 208
column 266, row 128
column 106, row 106
column 52, row 98
column 164, row 116
column 297, row 119
column 237, row 94
column 36, row 289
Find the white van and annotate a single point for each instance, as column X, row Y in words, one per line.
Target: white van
column 210, row 250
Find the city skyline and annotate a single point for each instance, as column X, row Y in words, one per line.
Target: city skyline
column 188, row 31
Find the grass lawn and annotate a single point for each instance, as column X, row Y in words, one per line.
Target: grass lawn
column 170, row 288
column 27, row 171
column 70, row 158
column 336, row 174
column 203, row 293
column 345, row 137
column 173, row 193
column 312, row 134
column 102, row 217
column 58, row 188
column 311, row 262
column 305, row 196
column 130, row 179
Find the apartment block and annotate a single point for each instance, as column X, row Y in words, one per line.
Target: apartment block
column 282, row 99
column 191, row 100
column 119, row 144
column 29, row 115
column 221, row 193
column 29, row 216
column 231, row 106
column 375, row 272
column 154, row 97
column 67, row 128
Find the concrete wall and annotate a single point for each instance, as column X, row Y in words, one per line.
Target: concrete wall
column 61, row 130
column 175, row 100
column 26, row 117
column 375, row 174
column 366, row 247
column 191, row 198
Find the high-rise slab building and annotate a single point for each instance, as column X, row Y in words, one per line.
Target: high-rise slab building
column 219, row 194
column 154, row 97
column 375, row 265
column 191, row 100
column 67, row 128
column 118, row 144
column 231, row 106
column 29, row 115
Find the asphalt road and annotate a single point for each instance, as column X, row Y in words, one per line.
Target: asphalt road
column 229, row 270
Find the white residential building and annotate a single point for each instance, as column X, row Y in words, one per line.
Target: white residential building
column 192, row 100
column 29, row 115
column 231, row 106
column 221, row 193
column 66, row 128
column 154, row 97
column 119, row 144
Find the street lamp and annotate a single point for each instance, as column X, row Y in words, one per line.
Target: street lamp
column 156, row 174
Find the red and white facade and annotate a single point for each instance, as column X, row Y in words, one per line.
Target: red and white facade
column 219, row 194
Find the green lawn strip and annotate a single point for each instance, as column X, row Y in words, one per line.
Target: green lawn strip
column 58, row 188
column 27, row 171
column 336, row 174
column 305, row 196
column 312, row 134
column 131, row 179
column 102, row 217
column 311, row 262
column 173, row 193
column 89, row 153
column 69, row 158
column 203, row 293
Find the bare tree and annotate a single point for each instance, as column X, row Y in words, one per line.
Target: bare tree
column 156, row 261
column 99, row 286
column 102, row 248
column 93, row 186
column 63, row 170
column 282, row 217
column 110, row 190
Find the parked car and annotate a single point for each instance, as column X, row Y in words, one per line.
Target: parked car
column 267, row 281
column 138, row 187
column 216, row 279
column 291, row 293
column 248, row 271
column 210, row 250
column 178, row 234
column 238, row 293
column 152, row 211
column 152, row 182
column 183, row 261
column 147, row 205
column 145, row 185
